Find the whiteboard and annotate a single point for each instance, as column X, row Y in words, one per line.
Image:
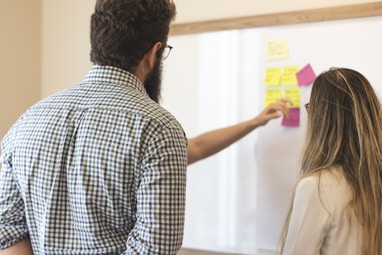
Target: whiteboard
column 355, row 44
column 237, row 199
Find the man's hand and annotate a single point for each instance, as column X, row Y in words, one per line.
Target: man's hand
column 274, row 111
column 23, row 247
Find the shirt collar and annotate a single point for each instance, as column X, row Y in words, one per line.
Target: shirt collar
column 113, row 75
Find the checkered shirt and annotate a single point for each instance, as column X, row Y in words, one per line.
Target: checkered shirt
column 99, row 168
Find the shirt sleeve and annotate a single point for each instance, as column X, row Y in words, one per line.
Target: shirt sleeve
column 161, row 196
column 13, row 226
column 309, row 221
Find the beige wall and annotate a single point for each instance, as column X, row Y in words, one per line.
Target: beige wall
column 20, row 58
column 66, row 30
column 65, row 43
column 198, row 10
column 45, row 43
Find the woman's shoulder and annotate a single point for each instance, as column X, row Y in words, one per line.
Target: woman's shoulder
column 324, row 181
column 330, row 185
column 332, row 178
column 327, row 176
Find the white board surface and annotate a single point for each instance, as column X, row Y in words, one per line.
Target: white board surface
column 237, row 199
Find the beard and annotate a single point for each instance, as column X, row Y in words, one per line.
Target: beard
column 153, row 82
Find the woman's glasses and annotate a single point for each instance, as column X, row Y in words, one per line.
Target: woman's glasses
column 306, row 107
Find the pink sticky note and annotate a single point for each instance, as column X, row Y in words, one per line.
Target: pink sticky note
column 294, row 118
column 305, row 76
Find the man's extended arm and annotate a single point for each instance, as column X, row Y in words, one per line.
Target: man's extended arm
column 209, row 143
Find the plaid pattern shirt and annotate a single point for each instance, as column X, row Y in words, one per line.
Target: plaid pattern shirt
column 99, row 168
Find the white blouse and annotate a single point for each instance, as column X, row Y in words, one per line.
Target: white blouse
column 319, row 222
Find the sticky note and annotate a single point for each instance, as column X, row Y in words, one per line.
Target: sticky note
column 277, row 50
column 272, row 76
column 306, row 75
column 294, row 118
column 272, row 96
column 289, row 75
column 293, row 94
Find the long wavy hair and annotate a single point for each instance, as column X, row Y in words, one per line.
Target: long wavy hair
column 123, row 31
column 345, row 129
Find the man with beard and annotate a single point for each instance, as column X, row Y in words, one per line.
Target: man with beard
column 100, row 168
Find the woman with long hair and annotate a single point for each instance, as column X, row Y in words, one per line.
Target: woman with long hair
column 337, row 203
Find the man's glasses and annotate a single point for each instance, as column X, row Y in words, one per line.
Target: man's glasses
column 166, row 51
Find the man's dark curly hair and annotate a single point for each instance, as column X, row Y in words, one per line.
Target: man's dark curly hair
column 123, row 31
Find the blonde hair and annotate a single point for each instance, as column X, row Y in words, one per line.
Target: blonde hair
column 344, row 128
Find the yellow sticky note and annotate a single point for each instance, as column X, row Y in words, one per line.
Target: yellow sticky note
column 277, row 50
column 272, row 76
column 289, row 75
column 293, row 94
column 272, row 96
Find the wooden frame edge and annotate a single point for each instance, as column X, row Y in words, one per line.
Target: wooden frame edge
column 282, row 18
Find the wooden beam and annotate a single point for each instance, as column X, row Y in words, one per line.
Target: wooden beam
column 283, row 18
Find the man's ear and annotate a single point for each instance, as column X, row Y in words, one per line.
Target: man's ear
column 146, row 64
column 152, row 54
